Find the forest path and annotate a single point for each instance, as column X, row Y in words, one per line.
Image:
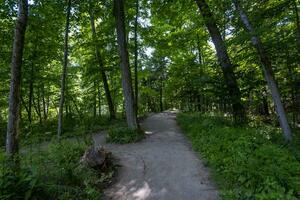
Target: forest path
column 161, row 167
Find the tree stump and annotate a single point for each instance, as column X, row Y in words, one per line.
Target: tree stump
column 96, row 158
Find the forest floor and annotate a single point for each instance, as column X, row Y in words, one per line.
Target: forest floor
column 162, row 166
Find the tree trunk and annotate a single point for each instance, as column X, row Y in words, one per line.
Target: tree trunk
column 161, row 108
column 15, row 83
column 268, row 72
column 136, row 58
column 37, row 106
column 103, row 74
column 199, row 51
column 226, row 65
column 45, row 113
column 99, row 99
column 265, row 106
column 77, row 108
column 125, row 69
column 95, row 100
column 64, row 72
column 30, row 94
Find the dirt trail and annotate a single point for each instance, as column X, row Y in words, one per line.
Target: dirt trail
column 161, row 167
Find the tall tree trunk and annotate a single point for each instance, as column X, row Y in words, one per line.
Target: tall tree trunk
column 99, row 99
column 95, row 99
column 64, row 72
column 199, row 50
column 76, row 108
column 226, row 65
column 268, row 72
column 30, row 94
column 15, row 83
column 24, row 104
column 37, row 105
column 48, row 103
column 125, row 69
column 161, row 108
column 102, row 71
column 45, row 114
column 136, row 93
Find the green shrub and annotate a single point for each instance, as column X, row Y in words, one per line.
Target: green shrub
column 20, row 183
column 246, row 163
column 59, row 171
column 123, row 135
column 72, row 127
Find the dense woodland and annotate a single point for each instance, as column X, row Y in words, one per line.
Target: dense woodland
column 71, row 67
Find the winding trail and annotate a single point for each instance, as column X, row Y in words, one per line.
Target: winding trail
column 160, row 167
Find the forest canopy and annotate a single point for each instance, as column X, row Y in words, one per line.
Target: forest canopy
column 71, row 68
column 240, row 58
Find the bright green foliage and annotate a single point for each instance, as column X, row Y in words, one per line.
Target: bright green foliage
column 73, row 127
column 54, row 174
column 177, row 68
column 123, row 135
column 177, row 64
column 246, row 163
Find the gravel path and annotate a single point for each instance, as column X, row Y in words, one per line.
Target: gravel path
column 161, row 167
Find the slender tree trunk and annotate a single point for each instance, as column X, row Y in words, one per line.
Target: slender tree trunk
column 99, row 100
column 199, row 51
column 265, row 106
column 24, row 103
column 95, row 99
column 48, row 104
column 136, row 94
column 268, row 72
column 161, row 108
column 102, row 71
column 38, row 105
column 30, row 94
column 64, row 72
column 125, row 69
column 45, row 114
column 76, row 108
column 15, row 83
column 226, row 65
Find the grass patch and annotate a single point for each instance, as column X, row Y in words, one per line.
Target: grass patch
column 53, row 174
column 246, row 162
column 123, row 135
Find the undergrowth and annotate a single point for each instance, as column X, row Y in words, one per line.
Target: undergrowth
column 247, row 162
column 39, row 132
column 123, row 135
column 53, row 174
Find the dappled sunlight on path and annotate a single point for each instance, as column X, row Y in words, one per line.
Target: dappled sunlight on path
column 162, row 166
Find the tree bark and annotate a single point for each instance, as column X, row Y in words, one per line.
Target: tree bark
column 37, row 106
column 95, row 99
column 30, row 94
column 226, row 65
column 268, row 72
column 136, row 105
column 102, row 71
column 199, row 50
column 15, row 83
column 64, row 72
column 125, row 69
column 99, row 99
column 161, row 108
column 45, row 109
